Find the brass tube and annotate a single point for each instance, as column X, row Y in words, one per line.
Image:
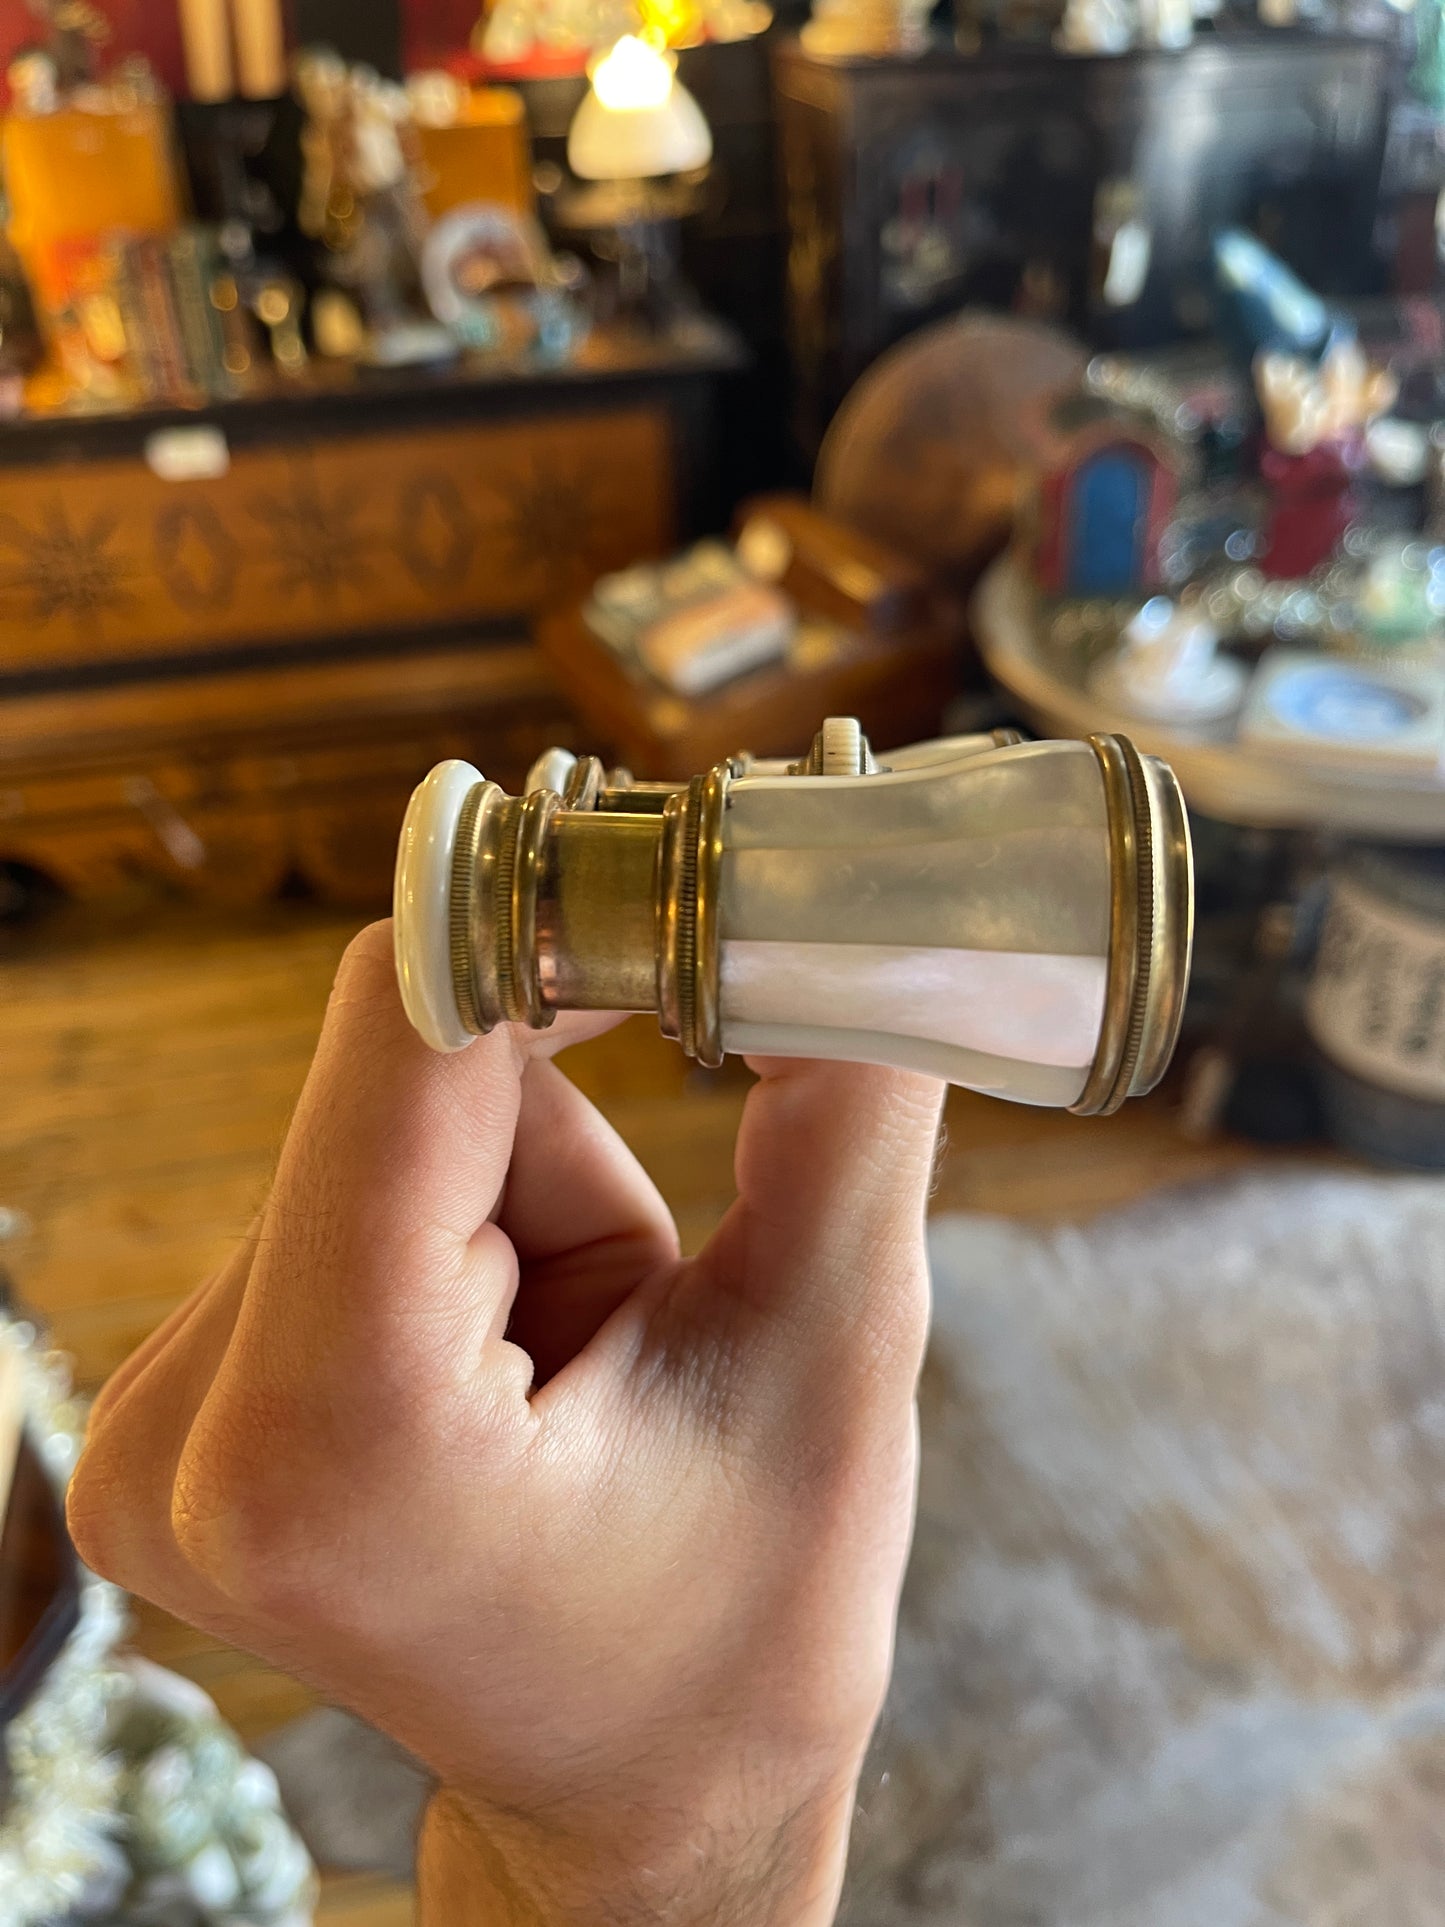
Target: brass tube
column 596, row 912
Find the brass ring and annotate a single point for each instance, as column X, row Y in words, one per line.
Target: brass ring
column 1151, row 926
column 669, row 922
column 529, row 854
column 1173, row 925
column 687, row 919
column 1144, row 929
column 499, row 946
column 707, row 1016
column 688, row 944
column 1101, row 1094
column 470, row 906
column 459, row 908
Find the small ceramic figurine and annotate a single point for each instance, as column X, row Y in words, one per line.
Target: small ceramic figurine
column 1167, row 669
column 1106, row 496
column 360, row 199
column 1315, row 416
column 33, row 83
column 491, row 280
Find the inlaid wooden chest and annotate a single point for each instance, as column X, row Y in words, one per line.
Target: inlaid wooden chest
column 232, row 642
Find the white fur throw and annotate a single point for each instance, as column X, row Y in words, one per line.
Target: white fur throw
column 1173, row 1644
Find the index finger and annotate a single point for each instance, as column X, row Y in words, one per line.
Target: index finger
column 397, row 1155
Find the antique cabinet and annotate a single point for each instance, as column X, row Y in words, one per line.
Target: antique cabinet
column 232, row 641
column 916, row 186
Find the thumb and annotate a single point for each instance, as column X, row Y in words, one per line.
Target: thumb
column 824, row 1248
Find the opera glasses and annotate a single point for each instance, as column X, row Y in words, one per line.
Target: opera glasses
column 1015, row 917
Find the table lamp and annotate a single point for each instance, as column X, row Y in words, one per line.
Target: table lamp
column 637, row 122
column 639, row 143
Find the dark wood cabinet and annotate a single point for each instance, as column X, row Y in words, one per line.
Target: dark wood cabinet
column 916, row 186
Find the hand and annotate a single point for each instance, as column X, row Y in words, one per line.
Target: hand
column 611, row 1540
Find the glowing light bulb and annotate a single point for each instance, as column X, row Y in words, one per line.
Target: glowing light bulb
column 634, row 77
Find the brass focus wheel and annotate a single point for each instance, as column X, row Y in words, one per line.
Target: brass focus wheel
column 687, row 913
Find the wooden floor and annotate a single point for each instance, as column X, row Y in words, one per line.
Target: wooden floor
column 150, row 1057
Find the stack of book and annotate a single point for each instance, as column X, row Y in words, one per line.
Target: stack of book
column 143, row 318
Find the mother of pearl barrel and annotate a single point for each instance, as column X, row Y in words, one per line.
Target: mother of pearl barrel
column 953, row 919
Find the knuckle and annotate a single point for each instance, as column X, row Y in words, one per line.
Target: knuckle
column 244, row 1518
column 97, row 1507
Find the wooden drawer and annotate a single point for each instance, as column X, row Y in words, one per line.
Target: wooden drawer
column 224, row 785
column 412, row 530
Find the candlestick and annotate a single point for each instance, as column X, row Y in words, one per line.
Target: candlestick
column 206, row 33
column 260, row 48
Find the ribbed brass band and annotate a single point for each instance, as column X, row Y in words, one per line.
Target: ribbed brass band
column 534, row 819
column 686, row 921
column 468, row 868
column 707, row 1006
column 503, row 869
column 669, row 938
column 1131, row 899
column 497, row 872
column 1151, row 921
column 1144, row 921
column 1173, row 936
column 688, row 951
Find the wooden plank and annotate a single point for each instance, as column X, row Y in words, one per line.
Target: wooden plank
column 261, row 710
column 351, row 1900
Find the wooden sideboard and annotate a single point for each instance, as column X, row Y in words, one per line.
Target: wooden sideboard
column 239, row 676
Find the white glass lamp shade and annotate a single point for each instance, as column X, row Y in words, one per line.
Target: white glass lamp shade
column 636, row 120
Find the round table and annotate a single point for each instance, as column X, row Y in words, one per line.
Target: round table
column 1221, row 777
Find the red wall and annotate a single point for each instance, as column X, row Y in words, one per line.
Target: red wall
column 151, row 27
column 434, row 30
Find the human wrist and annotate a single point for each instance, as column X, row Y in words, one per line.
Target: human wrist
column 479, row 1868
